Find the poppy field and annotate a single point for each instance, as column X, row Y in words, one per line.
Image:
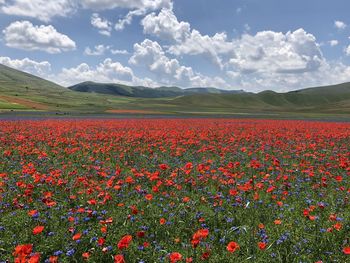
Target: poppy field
column 174, row 190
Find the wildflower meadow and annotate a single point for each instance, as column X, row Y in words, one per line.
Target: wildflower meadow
column 174, row 190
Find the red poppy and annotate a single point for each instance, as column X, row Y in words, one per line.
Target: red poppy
column 34, row 258
column 262, row 245
column 175, row 257
column 162, row 221
column 149, row 197
column 232, row 247
column 346, row 250
column 163, row 166
column 86, row 255
column 76, row 236
column 23, row 250
column 277, row 222
column 124, row 242
column 200, row 234
column 101, row 241
column 38, row 229
column 53, row 259
column 119, row 259
column 140, row 234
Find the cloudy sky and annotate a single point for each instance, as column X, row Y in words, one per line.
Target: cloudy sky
column 241, row 44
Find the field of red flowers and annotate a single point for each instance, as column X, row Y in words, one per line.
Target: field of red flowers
column 174, row 190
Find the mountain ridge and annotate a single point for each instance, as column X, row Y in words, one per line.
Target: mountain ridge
column 144, row 92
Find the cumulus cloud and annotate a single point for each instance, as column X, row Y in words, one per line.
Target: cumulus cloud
column 40, row 9
column 41, row 68
column 281, row 62
column 24, row 35
column 293, row 52
column 339, row 24
column 185, row 41
column 166, row 26
column 106, row 71
column 103, row 25
column 169, row 71
column 127, row 4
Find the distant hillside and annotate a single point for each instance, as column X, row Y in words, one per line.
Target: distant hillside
column 334, row 98
column 12, row 80
column 20, row 91
column 144, row 92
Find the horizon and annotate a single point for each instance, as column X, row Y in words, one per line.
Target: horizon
column 175, row 43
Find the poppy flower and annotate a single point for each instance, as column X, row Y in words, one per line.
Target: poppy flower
column 101, row 241
column 277, row 222
column 140, row 234
column 163, row 166
column 53, row 259
column 346, row 250
column 38, row 229
column 200, row 234
column 262, row 245
column 149, row 197
column 86, row 255
column 23, row 250
column 34, row 258
column 232, row 247
column 162, row 221
column 76, row 236
column 124, row 242
column 119, row 259
column 175, row 257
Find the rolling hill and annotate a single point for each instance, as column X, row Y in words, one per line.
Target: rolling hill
column 20, row 91
column 144, row 92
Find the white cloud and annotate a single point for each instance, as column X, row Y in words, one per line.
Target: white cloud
column 103, row 25
column 347, row 50
column 340, row 24
column 127, row 4
column 166, row 26
column 333, row 42
column 281, row 62
column 24, row 35
column 120, row 25
column 268, row 51
column 169, row 71
column 107, row 71
column 119, row 52
column 99, row 50
column 30, row 66
column 43, row 10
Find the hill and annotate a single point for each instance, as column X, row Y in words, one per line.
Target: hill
column 144, row 92
column 20, row 91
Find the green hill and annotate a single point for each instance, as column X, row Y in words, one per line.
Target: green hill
column 21, row 91
column 143, row 92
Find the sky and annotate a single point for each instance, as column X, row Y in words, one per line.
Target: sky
column 253, row 45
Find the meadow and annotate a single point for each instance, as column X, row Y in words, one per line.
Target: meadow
column 174, row 190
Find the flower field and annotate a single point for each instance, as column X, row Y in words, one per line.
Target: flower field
column 174, row 190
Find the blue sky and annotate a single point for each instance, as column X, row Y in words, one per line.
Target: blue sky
column 242, row 44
